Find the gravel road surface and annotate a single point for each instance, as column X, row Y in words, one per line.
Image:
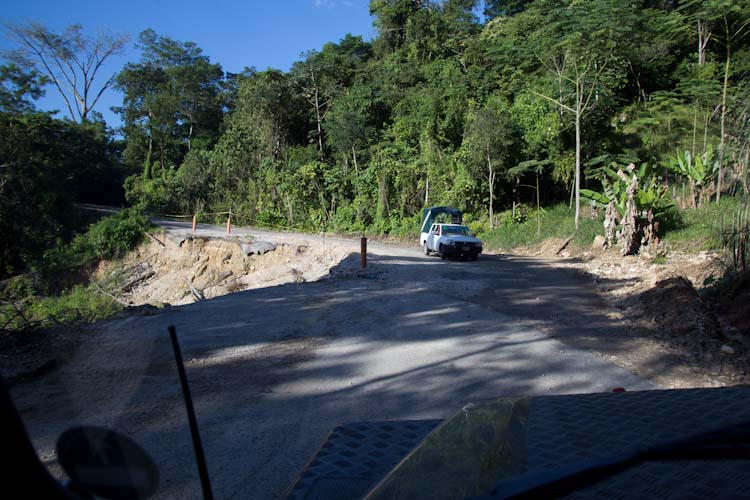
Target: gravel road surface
column 273, row 370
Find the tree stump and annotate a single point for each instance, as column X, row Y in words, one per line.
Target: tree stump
column 628, row 236
column 610, row 225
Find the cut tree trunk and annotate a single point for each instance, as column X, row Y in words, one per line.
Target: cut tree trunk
column 629, row 234
column 491, row 179
column 610, row 225
column 723, row 128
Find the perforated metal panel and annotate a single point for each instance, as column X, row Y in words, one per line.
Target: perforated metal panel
column 356, row 456
column 562, row 430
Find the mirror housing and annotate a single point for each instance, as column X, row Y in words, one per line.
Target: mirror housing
column 104, row 463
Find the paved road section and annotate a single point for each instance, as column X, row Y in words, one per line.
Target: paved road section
column 274, row 370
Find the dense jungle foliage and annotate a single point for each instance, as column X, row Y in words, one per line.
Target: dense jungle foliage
column 495, row 107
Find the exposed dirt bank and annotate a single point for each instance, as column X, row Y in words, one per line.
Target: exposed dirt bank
column 659, row 304
column 180, row 270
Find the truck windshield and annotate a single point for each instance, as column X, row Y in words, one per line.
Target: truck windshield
column 462, row 230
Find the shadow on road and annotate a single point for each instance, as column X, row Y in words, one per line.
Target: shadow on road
column 273, row 370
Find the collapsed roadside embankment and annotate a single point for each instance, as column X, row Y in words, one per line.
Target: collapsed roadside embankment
column 176, row 270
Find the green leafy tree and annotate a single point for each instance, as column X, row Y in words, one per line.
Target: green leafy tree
column 490, row 136
column 19, row 88
column 576, row 46
column 172, row 101
column 730, row 23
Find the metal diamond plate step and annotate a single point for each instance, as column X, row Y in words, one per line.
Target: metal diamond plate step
column 355, row 456
column 558, row 430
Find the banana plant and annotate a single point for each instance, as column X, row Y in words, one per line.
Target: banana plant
column 651, row 195
column 699, row 171
column 637, row 213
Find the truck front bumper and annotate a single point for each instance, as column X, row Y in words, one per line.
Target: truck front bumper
column 460, row 250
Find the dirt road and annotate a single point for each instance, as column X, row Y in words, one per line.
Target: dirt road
column 273, row 370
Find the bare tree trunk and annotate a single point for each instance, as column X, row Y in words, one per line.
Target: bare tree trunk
column 695, row 129
column 538, row 208
column 723, row 127
column 318, row 119
column 745, row 189
column 572, row 194
column 354, row 157
column 694, row 203
column 491, row 179
column 703, row 36
column 383, row 209
column 147, row 166
column 290, row 207
column 610, row 225
column 426, row 190
column 705, row 129
column 579, row 96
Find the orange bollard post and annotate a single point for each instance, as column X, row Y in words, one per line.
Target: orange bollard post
column 195, row 220
column 229, row 224
column 362, row 252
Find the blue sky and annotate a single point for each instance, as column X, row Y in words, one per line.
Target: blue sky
column 233, row 33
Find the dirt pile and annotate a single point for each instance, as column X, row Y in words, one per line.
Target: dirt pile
column 180, row 270
column 675, row 307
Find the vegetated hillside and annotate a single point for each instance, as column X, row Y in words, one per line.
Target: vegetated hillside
column 540, row 118
column 500, row 114
column 444, row 108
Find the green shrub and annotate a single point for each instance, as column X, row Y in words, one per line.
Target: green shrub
column 116, row 235
column 111, row 237
column 407, row 228
column 79, row 304
column 49, row 298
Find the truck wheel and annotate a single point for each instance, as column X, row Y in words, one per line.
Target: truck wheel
column 425, row 249
column 442, row 254
column 475, row 256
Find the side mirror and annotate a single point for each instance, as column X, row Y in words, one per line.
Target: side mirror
column 104, row 463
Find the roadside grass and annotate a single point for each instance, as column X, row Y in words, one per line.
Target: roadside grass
column 555, row 222
column 80, row 304
column 689, row 230
column 699, row 229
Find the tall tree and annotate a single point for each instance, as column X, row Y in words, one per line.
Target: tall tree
column 71, row 60
column 318, row 87
column 578, row 47
column 172, row 100
column 490, row 138
column 391, row 20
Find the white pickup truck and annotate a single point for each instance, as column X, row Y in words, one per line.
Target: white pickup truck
column 451, row 240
